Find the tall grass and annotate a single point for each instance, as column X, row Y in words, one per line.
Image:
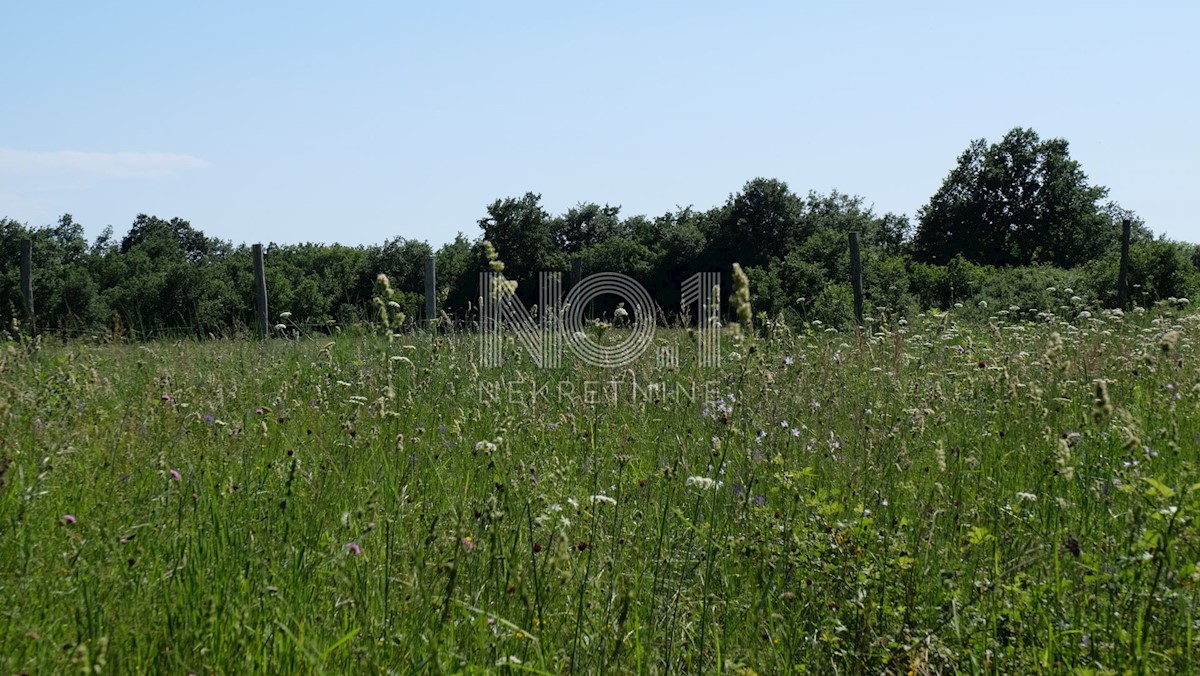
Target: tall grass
column 1017, row 494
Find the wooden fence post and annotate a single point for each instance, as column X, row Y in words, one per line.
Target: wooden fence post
column 260, row 293
column 1123, row 275
column 856, row 277
column 27, row 283
column 576, row 272
column 430, row 291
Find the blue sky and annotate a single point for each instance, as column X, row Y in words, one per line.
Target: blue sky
column 359, row 122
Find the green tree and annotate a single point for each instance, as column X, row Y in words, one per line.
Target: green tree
column 1019, row 201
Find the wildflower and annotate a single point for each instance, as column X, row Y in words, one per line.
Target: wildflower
column 1029, row 497
column 795, row 432
column 175, row 475
column 260, row 410
column 468, row 544
column 788, row 361
column 704, row 483
column 602, row 499
column 353, row 548
column 280, row 327
column 1104, row 407
column 1084, row 315
column 784, row 424
column 68, row 518
column 285, row 315
column 1169, row 340
column 166, row 398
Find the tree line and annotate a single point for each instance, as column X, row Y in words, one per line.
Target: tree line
column 1013, row 222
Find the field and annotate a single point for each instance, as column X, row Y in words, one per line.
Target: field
column 1016, row 494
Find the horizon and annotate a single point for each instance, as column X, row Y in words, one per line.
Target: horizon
column 300, row 124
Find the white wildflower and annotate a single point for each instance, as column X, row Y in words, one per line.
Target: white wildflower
column 704, row 483
column 602, row 499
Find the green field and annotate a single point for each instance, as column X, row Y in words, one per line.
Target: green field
column 942, row 495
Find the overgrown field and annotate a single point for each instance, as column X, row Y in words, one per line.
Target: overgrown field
column 1014, row 495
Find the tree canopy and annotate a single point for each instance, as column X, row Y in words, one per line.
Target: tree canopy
column 1019, row 201
column 1010, row 220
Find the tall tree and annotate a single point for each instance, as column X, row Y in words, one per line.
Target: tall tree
column 1019, row 201
column 522, row 232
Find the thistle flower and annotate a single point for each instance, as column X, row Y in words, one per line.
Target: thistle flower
column 176, row 475
column 353, row 548
column 68, row 518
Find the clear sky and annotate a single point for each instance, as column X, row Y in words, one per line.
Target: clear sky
column 358, row 122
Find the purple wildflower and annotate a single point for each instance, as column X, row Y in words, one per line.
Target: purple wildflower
column 68, row 518
column 175, row 475
column 353, row 548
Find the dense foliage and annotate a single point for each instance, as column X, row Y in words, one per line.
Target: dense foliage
column 1010, row 220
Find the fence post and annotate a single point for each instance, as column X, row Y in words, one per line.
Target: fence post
column 260, row 293
column 27, row 282
column 856, row 277
column 576, row 272
column 430, row 290
column 1123, row 275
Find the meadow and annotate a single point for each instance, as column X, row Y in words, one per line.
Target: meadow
column 980, row 490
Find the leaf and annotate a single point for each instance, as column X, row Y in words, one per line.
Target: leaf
column 1159, row 488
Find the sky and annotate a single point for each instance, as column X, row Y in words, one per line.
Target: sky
column 358, row 122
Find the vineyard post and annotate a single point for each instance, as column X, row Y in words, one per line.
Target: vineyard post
column 856, row 277
column 27, row 282
column 430, row 291
column 260, row 293
column 1123, row 274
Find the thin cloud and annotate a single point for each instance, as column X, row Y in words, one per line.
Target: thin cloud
column 102, row 165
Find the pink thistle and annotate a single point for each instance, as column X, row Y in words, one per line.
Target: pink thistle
column 68, row 518
column 175, row 474
column 166, row 398
column 353, row 548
